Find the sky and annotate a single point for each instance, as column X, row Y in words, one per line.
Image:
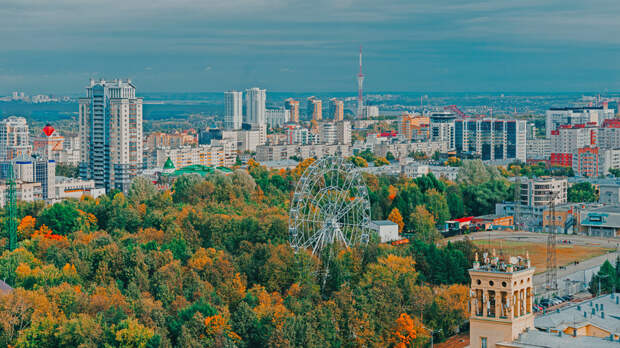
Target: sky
column 304, row 45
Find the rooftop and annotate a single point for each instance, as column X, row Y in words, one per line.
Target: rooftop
column 384, row 223
column 537, row 339
column 602, row 312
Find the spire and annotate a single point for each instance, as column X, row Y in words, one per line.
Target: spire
column 168, row 164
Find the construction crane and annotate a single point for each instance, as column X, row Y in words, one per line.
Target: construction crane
column 552, row 260
column 11, row 209
column 456, row 110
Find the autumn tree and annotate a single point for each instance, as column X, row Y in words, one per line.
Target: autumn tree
column 423, row 225
column 397, row 219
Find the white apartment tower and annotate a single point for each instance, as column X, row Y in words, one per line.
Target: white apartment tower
column 110, row 125
column 234, row 110
column 255, row 106
column 14, row 138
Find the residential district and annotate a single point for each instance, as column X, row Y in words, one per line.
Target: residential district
column 563, row 180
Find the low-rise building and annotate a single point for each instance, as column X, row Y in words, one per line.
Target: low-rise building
column 75, row 188
column 387, row 230
column 24, row 191
column 283, row 152
column 541, row 191
column 609, row 193
column 601, row 221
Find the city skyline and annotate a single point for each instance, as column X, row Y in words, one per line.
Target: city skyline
column 461, row 46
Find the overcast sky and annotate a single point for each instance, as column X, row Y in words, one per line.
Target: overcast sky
column 304, row 45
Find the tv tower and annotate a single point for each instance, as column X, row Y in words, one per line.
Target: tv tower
column 360, row 84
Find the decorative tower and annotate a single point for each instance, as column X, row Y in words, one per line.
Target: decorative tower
column 501, row 299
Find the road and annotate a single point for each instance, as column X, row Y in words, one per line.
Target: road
column 575, row 272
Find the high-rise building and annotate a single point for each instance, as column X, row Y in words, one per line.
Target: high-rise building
column 314, row 109
column 277, row 117
column 233, row 116
column 336, row 109
column 293, row 106
column 329, row 134
column 569, row 138
column 343, row 129
column 14, row 138
column 255, row 99
column 556, row 117
column 110, row 123
column 491, row 139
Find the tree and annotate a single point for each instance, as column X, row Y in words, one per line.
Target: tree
column 68, row 170
column 141, row 190
column 381, row 161
column 389, row 156
column 606, row 277
column 62, row 218
column 397, row 219
column 582, row 192
column 359, row 161
column 474, row 172
column 423, row 225
column 404, row 332
column 437, row 205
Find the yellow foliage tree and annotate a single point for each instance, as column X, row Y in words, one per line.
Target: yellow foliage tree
column 404, row 332
column 397, row 218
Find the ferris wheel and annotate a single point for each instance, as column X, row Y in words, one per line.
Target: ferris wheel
column 330, row 205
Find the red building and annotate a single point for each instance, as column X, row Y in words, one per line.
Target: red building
column 561, row 159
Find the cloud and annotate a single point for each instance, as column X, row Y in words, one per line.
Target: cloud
column 459, row 43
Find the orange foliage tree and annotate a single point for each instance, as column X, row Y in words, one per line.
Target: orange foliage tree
column 397, row 218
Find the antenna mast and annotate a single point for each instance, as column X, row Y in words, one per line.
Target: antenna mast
column 552, row 261
column 360, row 94
column 11, row 209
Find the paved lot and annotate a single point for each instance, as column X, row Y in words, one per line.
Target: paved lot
column 589, row 266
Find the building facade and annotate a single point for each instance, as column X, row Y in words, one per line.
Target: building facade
column 14, row 138
column 277, row 117
column 233, row 114
column 491, row 139
column 314, row 109
column 336, row 109
column 255, row 99
column 292, row 106
column 501, row 299
column 110, row 125
column 541, row 191
column 556, row 117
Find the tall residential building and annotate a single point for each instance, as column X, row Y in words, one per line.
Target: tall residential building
column 343, row 130
column 329, row 134
column 293, row 106
column 556, row 117
column 491, row 139
column 110, row 123
column 255, row 99
column 569, row 138
column 233, row 116
column 14, row 138
column 314, row 108
column 336, row 109
column 594, row 161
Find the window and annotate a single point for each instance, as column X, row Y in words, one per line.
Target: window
column 483, row 342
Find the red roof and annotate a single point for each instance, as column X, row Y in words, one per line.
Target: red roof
column 48, row 130
column 464, row 219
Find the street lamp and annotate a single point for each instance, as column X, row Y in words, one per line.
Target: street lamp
column 432, row 334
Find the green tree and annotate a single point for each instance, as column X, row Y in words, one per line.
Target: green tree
column 437, row 205
column 68, row 170
column 423, row 225
column 606, row 277
column 61, row 218
column 582, row 192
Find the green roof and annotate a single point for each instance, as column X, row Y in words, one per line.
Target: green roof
column 168, row 164
column 198, row 169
